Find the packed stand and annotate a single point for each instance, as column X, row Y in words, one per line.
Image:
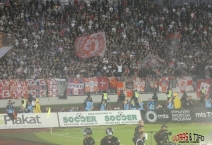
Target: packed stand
column 45, row 32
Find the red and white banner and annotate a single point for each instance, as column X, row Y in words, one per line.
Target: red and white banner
column 113, row 82
column 183, row 84
column 18, row 89
column 121, row 86
column 90, row 45
column 37, row 87
column 91, row 84
column 75, row 87
column 4, row 89
column 163, row 84
column 139, row 85
column 203, row 84
column 102, row 83
column 52, row 87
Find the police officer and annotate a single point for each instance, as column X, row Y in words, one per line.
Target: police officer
column 169, row 93
column 88, row 140
column 110, row 139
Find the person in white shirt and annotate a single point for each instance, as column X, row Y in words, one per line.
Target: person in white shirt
column 119, row 66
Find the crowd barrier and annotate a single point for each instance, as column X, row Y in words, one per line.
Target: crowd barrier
column 14, row 89
column 202, row 115
column 70, row 119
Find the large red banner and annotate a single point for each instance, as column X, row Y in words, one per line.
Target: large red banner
column 91, row 84
column 90, row 45
column 52, row 87
column 203, row 84
column 102, row 83
column 4, row 89
column 18, row 89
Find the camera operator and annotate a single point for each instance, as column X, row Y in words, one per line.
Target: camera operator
column 10, row 109
column 161, row 137
column 208, row 101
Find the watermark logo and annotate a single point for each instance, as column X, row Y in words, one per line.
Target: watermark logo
column 188, row 138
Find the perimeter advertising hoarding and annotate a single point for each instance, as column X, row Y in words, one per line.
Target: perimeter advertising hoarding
column 95, row 118
column 29, row 120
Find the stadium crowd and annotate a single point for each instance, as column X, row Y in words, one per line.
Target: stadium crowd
column 45, row 31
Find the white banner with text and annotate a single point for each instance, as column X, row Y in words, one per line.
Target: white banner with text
column 94, row 118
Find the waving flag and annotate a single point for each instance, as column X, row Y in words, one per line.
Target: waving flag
column 90, row 45
column 171, row 43
column 151, row 61
column 5, row 44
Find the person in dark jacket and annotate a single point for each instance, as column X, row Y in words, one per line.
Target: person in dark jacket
column 121, row 99
column 141, row 139
column 88, row 140
column 110, row 139
column 137, row 134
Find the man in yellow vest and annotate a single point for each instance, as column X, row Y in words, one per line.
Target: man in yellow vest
column 23, row 103
column 169, row 93
column 104, row 96
column 136, row 93
column 203, row 91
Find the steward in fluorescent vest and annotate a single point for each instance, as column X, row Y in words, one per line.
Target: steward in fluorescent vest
column 169, row 93
column 104, row 96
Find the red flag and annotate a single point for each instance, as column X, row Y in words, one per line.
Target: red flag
column 102, row 83
column 113, row 82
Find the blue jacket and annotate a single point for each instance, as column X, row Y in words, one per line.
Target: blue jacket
column 132, row 107
column 30, row 108
column 126, row 106
column 151, row 105
column 170, row 106
column 208, row 103
column 10, row 108
column 89, row 106
column 103, row 107
column 141, row 106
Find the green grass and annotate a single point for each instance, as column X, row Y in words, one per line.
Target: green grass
column 74, row 136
